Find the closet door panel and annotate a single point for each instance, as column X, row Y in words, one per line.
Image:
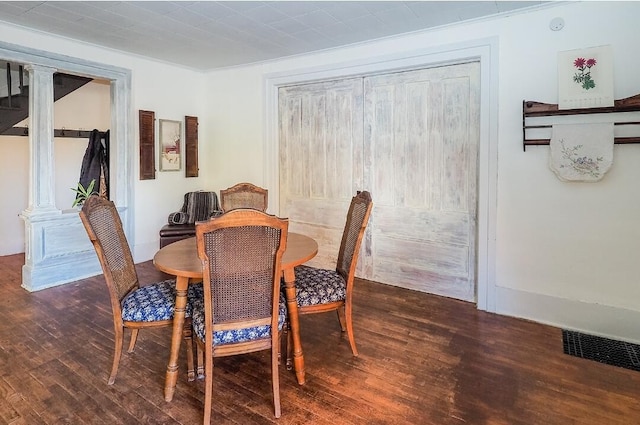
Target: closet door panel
column 320, row 160
column 421, row 134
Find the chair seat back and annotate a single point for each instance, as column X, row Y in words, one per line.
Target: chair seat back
column 244, row 195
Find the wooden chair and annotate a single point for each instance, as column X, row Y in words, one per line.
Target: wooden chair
column 244, row 195
column 133, row 306
column 241, row 251
column 321, row 290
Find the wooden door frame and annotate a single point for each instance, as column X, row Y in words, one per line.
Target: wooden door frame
column 486, row 52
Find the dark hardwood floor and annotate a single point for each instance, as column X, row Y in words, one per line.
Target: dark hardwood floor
column 423, row 360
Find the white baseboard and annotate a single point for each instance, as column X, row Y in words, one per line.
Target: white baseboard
column 595, row 319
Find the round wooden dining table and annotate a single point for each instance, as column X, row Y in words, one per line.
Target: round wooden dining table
column 181, row 260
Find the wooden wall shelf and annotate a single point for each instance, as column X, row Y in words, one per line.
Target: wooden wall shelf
column 532, row 109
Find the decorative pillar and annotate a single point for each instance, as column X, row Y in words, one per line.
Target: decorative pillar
column 41, row 174
column 57, row 249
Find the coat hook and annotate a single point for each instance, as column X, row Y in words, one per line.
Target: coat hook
column 62, row 132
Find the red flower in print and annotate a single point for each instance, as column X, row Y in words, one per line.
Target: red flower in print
column 583, row 76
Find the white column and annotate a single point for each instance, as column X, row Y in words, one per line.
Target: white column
column 41, row 214
column 41, row 175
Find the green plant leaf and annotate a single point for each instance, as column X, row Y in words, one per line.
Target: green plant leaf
column 83, row 193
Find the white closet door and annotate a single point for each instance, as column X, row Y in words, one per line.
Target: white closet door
column 321, row 162
column 421, row 142
column 411, row 139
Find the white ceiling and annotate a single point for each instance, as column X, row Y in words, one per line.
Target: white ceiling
column 205, row 35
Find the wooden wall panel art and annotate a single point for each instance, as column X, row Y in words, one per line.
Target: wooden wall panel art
column 191, row 146
column 147, row 145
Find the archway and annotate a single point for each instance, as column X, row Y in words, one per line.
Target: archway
column 57, row 250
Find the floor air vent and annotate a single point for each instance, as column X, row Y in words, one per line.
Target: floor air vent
column 603, row 350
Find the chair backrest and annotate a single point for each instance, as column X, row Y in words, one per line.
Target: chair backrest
column 357, row 219
column 241, row 251
column 244, row 195
column 104, row 227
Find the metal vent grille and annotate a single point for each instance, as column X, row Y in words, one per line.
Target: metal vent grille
column 603, row 350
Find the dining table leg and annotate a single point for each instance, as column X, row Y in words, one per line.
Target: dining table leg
column 182, row 286
column 292, row 307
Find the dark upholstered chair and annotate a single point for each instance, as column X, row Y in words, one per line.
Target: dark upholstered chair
column 320, row 290
column 197, row 206
column 244, row 195
column 243, row 310
column 134, row 306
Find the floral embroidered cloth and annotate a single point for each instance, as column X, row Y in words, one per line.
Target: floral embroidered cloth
column 581, row 152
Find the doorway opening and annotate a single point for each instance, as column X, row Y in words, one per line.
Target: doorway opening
column 56, row 248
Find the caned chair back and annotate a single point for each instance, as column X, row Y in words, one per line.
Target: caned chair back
column 104, row 227
column 321, row 290
column 134, row 307
column 242, row 252
column 357, row 218
column 244, row 195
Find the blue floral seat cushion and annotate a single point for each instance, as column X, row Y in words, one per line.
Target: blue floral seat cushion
column 235, row 335
column 318, row 286
column 156, row 302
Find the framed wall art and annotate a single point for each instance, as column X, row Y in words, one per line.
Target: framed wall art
column 170, row 145
column 585, row 78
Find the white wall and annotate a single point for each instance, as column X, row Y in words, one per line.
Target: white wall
column 14, row 172
column 568, row 241
column 565, row 252
column 172, row 92
column 234, row 119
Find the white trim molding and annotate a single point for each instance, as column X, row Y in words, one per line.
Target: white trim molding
column 483, row 50
column 591, row 318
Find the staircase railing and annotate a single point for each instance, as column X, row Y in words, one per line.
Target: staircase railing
column 15, row 106
column 9, row 84
column 14, row 101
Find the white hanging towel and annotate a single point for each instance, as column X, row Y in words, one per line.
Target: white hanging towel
column 581, row 152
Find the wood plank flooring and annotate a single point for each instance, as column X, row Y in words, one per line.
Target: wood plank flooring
column 423, row 360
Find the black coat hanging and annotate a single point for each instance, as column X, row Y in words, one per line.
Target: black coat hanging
column 95, row 164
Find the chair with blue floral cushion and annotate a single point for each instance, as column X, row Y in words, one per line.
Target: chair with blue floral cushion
column 133, row 306
column 321, row 290
column 243, row 310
